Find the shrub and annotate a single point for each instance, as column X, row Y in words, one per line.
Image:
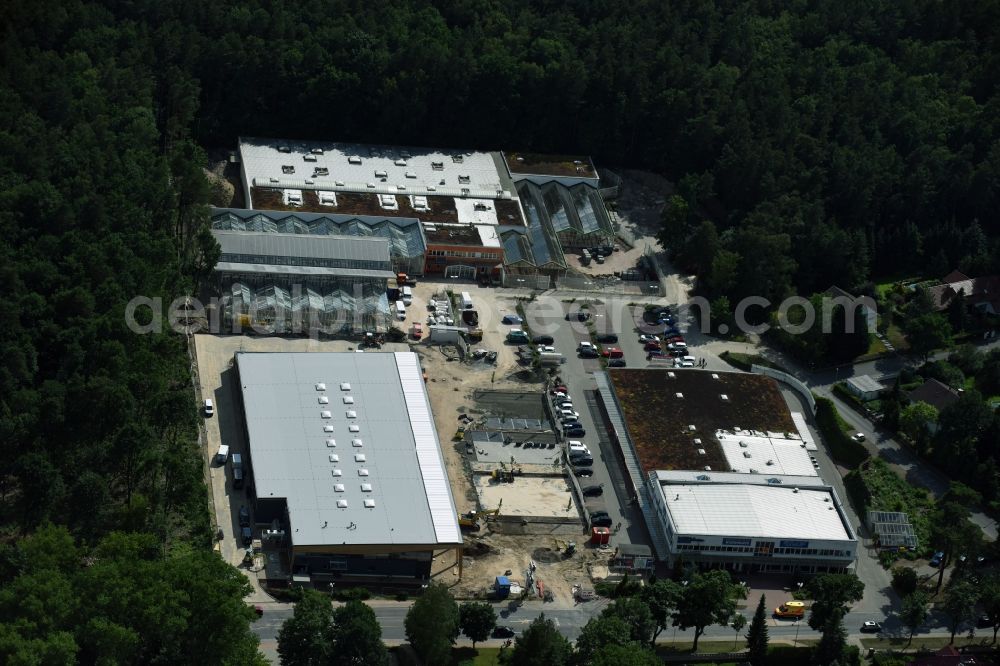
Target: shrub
column 904, row 580
column 354, row 594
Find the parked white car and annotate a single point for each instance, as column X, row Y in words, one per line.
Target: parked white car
column 649, row 338
column 586, row 345
column 576, row 445
column 209, row 408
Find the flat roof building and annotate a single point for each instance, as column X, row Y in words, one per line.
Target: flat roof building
column 722, row 471
column 347, row 478
column 751, row 523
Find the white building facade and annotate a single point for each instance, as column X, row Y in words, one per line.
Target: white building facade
column 753, row 523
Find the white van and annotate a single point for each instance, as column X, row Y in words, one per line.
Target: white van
column 407, row 295
column 400, row 310
column 466, row 301
column 222, row 455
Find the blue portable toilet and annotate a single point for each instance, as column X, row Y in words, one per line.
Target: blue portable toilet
column 502, row 587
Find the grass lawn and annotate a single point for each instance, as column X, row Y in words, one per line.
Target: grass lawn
column 481, row 656
column 927, row 642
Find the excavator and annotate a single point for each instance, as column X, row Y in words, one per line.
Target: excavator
column 470, row 521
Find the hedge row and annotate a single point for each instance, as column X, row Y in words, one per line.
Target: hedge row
column 843, row 449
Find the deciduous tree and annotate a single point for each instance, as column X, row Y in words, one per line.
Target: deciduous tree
column 709, row 598
column 477, row 620
column 432, row 624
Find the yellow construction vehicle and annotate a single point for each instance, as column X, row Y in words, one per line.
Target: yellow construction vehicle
column 470, row 521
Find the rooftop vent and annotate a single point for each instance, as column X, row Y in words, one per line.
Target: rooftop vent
column 410, row 174
column 337, row 472
column 321, row 171
column 747, row 454
column 795, row 490
column 366, row 487
column 707, row 468
column 400, row 162
column 437, row 166
column 362, row 472
column 287, row 168
column 338, row 183
column 697, row 440
column 334, row 457
column 359, row 457
column 354, row 428
column 744, row 445
column 715, row 376
column 703, row 477
column 774, row 481
column 338, row 487
column 379, row 173
column 354, row 159
column 457, row 159
column 348, row 400
column 671, row 375
column 326, row 415
column 351, row 414
column 320, row 386
column 770, row 462
column 331, row 442
column 692, row 427
column 328, row 428
column 370, row 186
column 284, row 149
column 679, row 395
column 753, row 471
column 369, row 504
column 323, row 400
column 309, row 158
column 826, row 499
column 345, row 386
column 431, row 188
column 356, row 442
column 275, row 180
column 701, row 452
column 341, row 504
column 724, row 397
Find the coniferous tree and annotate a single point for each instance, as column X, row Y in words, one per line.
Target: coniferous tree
column 757, row 635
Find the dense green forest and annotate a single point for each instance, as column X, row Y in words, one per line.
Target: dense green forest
column 812, row 142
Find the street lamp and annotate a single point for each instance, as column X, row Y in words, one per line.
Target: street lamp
column 795, row 643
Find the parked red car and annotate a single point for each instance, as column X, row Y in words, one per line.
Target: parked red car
column 652, row 346
column 612, row 352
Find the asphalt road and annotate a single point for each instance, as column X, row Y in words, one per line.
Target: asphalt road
column 391, row 616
